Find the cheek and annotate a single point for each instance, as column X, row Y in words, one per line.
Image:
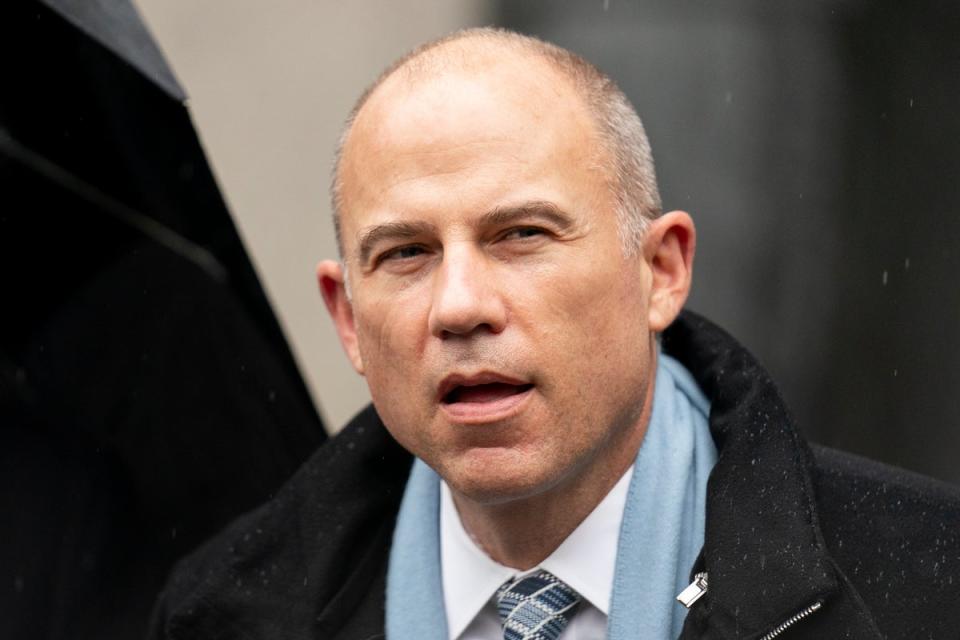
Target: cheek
column 598, row 307
column 596, row 329
column 391, row 334
column 390, row 331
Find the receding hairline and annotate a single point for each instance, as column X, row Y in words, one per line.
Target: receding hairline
column 450, row 53
column 453, row 53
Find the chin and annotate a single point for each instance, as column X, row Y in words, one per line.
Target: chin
column 491, row 478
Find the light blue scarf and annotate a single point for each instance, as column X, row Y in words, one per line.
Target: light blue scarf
column 660, row 536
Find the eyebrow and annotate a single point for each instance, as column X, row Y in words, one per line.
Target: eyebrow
column 499, row 216
column 369, row 238
column 533, row 209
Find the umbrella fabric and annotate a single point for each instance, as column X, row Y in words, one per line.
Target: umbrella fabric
column 147, row 394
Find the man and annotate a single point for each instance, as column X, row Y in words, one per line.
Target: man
column 506, row 273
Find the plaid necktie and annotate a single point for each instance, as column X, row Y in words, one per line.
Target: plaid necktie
column 536, row 607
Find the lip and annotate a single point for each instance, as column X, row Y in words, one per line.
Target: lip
column 482, row 412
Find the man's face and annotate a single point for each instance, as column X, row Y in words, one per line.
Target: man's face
column 502, row 331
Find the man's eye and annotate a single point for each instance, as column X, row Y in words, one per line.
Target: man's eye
column 522, row 233
column 402, row 253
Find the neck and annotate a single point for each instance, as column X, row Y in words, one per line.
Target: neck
column 522, row 533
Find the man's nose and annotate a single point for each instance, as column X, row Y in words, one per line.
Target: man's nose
column 467, row 297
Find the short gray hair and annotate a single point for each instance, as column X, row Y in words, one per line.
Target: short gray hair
column 621, row 131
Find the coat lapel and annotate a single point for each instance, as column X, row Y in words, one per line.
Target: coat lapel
column 763, row 550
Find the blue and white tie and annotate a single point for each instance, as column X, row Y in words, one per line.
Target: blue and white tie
column 535, row 607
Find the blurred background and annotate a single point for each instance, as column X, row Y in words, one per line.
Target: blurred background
column 166, row 359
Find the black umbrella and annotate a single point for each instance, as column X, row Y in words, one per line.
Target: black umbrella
column 147, row 394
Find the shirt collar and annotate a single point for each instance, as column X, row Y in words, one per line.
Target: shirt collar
column 586, row 560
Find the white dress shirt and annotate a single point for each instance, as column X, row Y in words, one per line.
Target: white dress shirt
column 586, row 561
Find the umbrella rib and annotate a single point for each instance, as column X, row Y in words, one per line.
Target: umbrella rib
column 141, row 222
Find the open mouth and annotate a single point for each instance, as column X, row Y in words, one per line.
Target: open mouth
column 482, row 393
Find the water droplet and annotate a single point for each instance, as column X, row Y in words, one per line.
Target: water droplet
column 884, row 277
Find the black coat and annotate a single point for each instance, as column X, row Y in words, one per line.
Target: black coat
column 865, row 550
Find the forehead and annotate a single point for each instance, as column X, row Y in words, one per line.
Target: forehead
column 458, row 123
column 521, row 84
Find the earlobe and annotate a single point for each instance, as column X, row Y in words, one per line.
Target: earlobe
column 331, row 280
column 669, row 248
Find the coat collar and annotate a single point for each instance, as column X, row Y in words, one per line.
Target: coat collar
column 763, row 549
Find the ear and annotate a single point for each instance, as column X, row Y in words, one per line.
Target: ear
column 331, row 280
column 668, row 248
